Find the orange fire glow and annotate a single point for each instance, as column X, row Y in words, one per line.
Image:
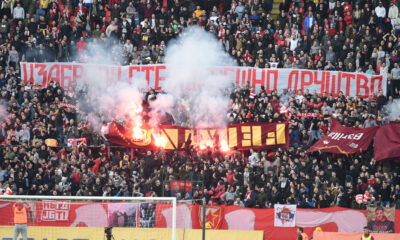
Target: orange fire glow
column 159, row 140
column 137, row 134
column 206, row 144
column 224, row 146
column 135, row 121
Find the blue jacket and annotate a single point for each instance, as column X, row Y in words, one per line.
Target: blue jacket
column 307, row 22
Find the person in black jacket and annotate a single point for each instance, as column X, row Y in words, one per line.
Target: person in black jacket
column 60, row 125
column 342, row 199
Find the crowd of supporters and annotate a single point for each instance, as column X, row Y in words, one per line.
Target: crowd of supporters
column 353, row 36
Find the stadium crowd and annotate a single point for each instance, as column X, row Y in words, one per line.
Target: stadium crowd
column 353, row 36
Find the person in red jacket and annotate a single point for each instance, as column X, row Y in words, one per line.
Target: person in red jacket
column 279, row 39
column 347, row 8
column 348, row 18
column 218, row 191
column 80, row 8
column 81, row 45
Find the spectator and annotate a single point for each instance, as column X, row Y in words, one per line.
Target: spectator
column 380, row 12
column 393, row 13
column 309, row 22
column 19, row 12
column 370, row 70
column 249, row 199
column 329, row 35
column 396, row 78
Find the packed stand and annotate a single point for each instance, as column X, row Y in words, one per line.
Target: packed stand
column 255, row 179
column 332, row 35
column 356, row 36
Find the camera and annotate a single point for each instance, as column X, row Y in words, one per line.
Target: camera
column 108, row 230
column 108, row 233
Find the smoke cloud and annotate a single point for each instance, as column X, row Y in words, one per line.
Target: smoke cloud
column 160, row 108
column 194, row 97
column 102, row 100
column 199, row 97
column 394, row 110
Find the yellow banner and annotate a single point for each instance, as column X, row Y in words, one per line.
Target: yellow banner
column 84, row 233
column 241, row 136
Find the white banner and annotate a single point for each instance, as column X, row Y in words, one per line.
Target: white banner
column 284, row 215
column 329, row 82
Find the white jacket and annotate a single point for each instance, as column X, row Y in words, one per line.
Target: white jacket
column 393, row 12
column 396, row 23
column 380, row 12
column 19, row 13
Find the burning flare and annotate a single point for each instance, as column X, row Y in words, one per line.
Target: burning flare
column 160, row 141
column 224, row 146
column 137, row 134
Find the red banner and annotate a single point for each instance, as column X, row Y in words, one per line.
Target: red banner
column 71, row 141
column 92, row 214
column 387, row 142
column 242, row 136
column 330, row 82
column 344, row 140
column 305, row 114
column 68, row 106
column 58, row 213
column 177, row 185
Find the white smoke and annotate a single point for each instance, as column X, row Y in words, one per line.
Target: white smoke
column 195, row 97
column 394, row 110
column 159, row 108
column 190, row 60
column 105, row 101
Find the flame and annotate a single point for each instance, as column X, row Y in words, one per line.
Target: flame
column 160, row 141
column 203, row 146
column 137, row 134
column 224, row 146
column 139, row 108
column 136, row 121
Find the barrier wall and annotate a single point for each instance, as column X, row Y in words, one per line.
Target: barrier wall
column 83, row 233
column 353, row 236
column 219, row 217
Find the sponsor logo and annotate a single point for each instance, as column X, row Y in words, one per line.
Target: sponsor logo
column 339, row 136
column 55, row 210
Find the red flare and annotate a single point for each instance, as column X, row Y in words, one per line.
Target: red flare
column 137, row 134
column 224, row 147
